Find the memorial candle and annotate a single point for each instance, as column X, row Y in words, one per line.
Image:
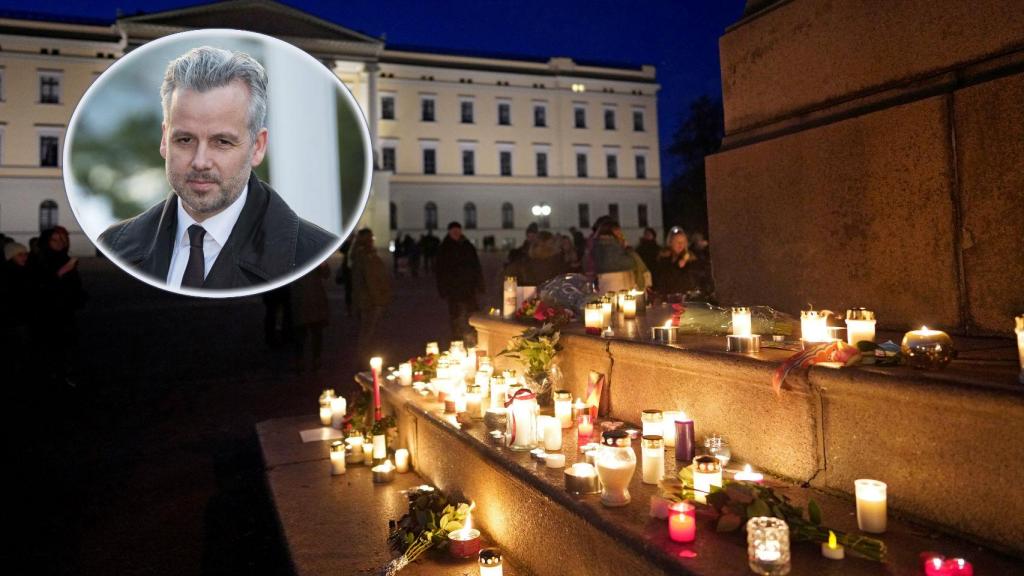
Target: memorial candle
column 380, row 448
column 552, row 430
column 628, row 307
column 653, row 453
column 584, row 430
column 682, row 522
column 606, row 311
column 375, row 364
column 498, row 390
column 652, row 422
column 707, row 472
column 685, row 441
column 354, row 451
column 668, row 428
column 337, row 458
column 490, row 562
column 508, row 297
column 325, row 406
column 433, row 348
column 741, row 321
column 813, row 326
column 367, row 451
column 405, row 373
column 871, row 505
column 338, row 409
column 860, row 326
column 402, row 460
column 464, row 542
column 475, row 403
column 563, row 408
column 593, row 317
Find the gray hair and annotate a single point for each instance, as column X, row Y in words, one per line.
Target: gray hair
column 206, row 68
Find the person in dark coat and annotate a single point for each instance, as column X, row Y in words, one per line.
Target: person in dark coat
column 544, row 260
column 17, row 306
column 673, row 273
column 701, row 267
column 59, row 297
column 459, row 279
column 428, row 248
column 344, row 274
column 648, row 248
column 310, row 315
column 371, row 291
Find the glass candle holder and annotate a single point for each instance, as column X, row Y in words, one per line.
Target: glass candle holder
column 475, row 403
column 521, row 429
column 354, row 448
column 860, row 325
column 593, row 317
column 584, row 430
column 325, row 407
column 682, row 522
column 405, row 374
column 741, row 321
column 628, row 306
column 339, row 407
column 490, row 562
column 718, row 447
column 927, row 349
column 653, row 453
column 768, row 546
column 563, row 408
column 871, row 505
column 606, row 311
column 652, row 422
column 668, row 428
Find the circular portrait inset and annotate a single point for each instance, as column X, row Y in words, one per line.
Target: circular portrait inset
column 218, row 163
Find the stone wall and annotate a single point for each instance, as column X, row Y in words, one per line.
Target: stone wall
column 873, row 156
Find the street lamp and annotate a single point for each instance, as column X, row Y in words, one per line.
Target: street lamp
column 541, row 210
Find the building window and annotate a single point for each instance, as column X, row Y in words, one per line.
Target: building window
column 641, row 166
column 581, row 165
column 580, row 116
column 466, row 111
column 468, row 162
column 508, row 216
column 49, row 87
column 540, row 116
column 638, row 120
column 584, row 216
column 49, row 150
column 387, row 108
column 641, row 215
column 427, row 109
column 387, row 158
column 430, row 216
column 542, row 164
column 505, row 161
column 609, row 119
column 393, row 216
column 429, row 161
column 504, row 114
column 612, row 164
column 469, row 216
column 48, row 213
column 613, row 211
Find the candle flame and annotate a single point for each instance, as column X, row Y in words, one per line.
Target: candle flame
column 469, row 522
column 960, row 563
column 376, row 362
column 748, row 470
column 831, row 539
column 668, row 324
column 937, row 562
column 924, row 328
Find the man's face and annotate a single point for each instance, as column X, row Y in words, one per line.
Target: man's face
column 207, row 147
column 455, row 233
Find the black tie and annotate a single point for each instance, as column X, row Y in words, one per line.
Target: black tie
column 195, row 270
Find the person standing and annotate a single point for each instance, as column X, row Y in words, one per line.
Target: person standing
column 371, row 291
column 310, row 315
column 459, row 278
column 648, row 248
column 59, row 297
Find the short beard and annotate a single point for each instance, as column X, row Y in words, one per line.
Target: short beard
column 213, row 203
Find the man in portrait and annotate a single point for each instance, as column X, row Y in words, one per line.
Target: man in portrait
column 222, row 227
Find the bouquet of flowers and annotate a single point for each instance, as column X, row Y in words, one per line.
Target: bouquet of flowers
column 426, row 365
column 426, row 526
column 535, row 309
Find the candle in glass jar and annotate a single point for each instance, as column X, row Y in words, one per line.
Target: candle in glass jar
column 653, row 453
column 475, row 403
column 367, row 451
column 927, row 349
column 768, row 545
column 325, row 406
column 498, row 390
column 380, row 447
column 628, row 306
column 584, row 430
column 401, row 460
column 593, row 317
column 871, row 505
column 741, row 321
column 521, row 429
column 405, row 373
column 563, row 408
column 813, row 326
column 682, row 522
column 337, row 458
column 860, row 325
column 338, row 409
column 606, row 311
column 355, row 449
column 652, row 422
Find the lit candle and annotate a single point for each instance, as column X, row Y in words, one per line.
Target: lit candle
column 707, row 472
column 641, row 301
column 325, row 406
column 941, row 566
column 383, row 473
column 521, row 432
column 354, row 452
column 475, row 403
column 659, row 507
column 563, row 408
column 748, row 475
column 581, row 478
column 606, row 311
column 860, row 325
column 367, row 451
column 628, row 307
column 584, row 431
column 405, row 373
column 555, row 461
column 552, row 430
column 380, row 448
column 652, row 422
column 464, row 542
column 813, row 326
column 578, row 408
column 338, row 409
column 871, row 505
column 375, row 364
column 498, row 390
column 432, row 348
column 927, row 349
column 508, row 297
column 1019, row 329
column 668, row 428
column 616, row 463
column 682, row 522
column 741, row 321
column 402, row 460
column 666, row 333
column 831, row 549
column 685, row 441
column 461, row 403
column 337, row 458
column 653, row 452
column 593, row 317
column 490, row 562
column 768, row 545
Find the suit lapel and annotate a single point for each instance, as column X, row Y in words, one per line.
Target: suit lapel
column 157, row 260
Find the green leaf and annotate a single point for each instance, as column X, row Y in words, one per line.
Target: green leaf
column 758, row 508
column 444, row 521
column 739, row 493
column 728, row 523
column 814, row 513
column 717, row 499
column 453, row 526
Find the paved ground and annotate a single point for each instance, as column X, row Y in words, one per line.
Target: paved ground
column 151, row 465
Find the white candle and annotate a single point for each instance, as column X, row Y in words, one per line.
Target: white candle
column 367, row 452
column 483, row 381
column 508, row 297
column 831, row 549
column 563, row 408
column 522, row 424
column 606, row 312
column 402, row 460
column 871, row 505
column 337, row 458
column 593, row 317
column 326, row 415
column 748, row 475
column 741, row 321
column 652, row 422
column 433, row 348
column 475, row 403
column 498, row 389
column 860, row 325
column 707, row 472
column 628, row 307
column 668, row 427
column 813, row 326
column 356, row 444
column 405, row 373
column 555, row 461
column 653, row 453
column 380, row 447
column 552, row 428
column 338, row 409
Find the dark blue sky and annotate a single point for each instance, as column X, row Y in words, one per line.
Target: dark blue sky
column 679, row 37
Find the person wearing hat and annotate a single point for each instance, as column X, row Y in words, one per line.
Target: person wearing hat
column 459, row 278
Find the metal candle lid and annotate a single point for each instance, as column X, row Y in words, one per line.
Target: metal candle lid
column 860, row 314
column 337, row 446
column 490, row 557
column 707, row 464
column 563, row 395
column 616, row 438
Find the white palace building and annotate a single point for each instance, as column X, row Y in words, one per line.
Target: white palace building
column 493, row 142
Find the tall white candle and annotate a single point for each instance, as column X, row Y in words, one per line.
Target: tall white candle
column 380, row 447
column 338, row 409
column 563, row 408
column 508, row 297
column 741, row 321
column 871, row 505
column 402, row 460
column 498, row 390
column 337, row 458
column 552, row 428
column 606, row 312
column 668, row 427
column 813, row 326
column 522, row 432
column 652, row 421
column 653, row 453
column 367, row 452
column 860, row 325
column 405, row 373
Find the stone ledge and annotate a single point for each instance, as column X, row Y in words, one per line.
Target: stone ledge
column 522, row 501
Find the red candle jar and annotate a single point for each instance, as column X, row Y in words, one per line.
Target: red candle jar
column 464, row 543
column 584, row 431
column 941, row 566
column 682, row 522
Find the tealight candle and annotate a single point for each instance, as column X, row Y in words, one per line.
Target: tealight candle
column 490, row 562
column 402, row 460
column 380, row 448
column 593, row 317
column 768, row 546
column 659, row 507
column 552, row 430
column 581, row 478
column 563, row 408
column 707, row 472
column 871, row 505
column 383, row 473
column 354, row 453
column 860, row 325
column 584, row 431
column 813, row 326
column 337, row 458
column 682, row 522
column 405, row 373
column 668, row 428
column 338, row 409
column 1019, row 329
column 685, row 441
column 433, row 348
column 555, row 461
column 741, row 321
column 628, row 307
column 666, row 333
column 831, row 549
column 653, row 453
column 748, row 475
column 464, row 542
column 942, row 566
column 652, row 422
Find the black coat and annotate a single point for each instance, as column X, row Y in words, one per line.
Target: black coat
column 269, row 241
column 458, row 272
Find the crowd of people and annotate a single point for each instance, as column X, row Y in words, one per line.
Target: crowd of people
column 41, row 291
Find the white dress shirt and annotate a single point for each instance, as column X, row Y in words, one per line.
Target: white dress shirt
column 218, row 228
